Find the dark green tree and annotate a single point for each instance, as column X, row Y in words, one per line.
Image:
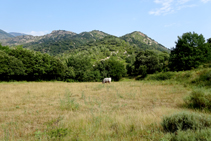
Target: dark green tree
column 116, row 69
column 39, row 66
column 4, row 48
column 209, row 40
column 190, row 52
column 81, row 65
column 110, row 68
column 146, row 61
column 10, row 67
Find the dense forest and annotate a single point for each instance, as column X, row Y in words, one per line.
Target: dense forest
column 107, row 57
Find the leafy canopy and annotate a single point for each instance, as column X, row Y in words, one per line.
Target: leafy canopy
column 190, row 52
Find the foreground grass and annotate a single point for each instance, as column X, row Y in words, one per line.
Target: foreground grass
column 87, row 111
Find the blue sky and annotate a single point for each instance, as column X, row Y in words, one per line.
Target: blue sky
column 162, row 20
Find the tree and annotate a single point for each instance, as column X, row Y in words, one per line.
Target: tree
column 209, row 40
column 10, row 67
column 146, row 61
column 190, row 52
column 116, row 69
column 39, row 66
column 111, row 68
column 81, row 65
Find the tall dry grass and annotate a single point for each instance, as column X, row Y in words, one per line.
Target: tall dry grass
column 86, row 111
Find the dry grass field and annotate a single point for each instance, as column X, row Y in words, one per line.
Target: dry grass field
column 86, row 111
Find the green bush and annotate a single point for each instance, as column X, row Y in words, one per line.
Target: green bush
column 198, row 99
column 161, row 76
column 189, row 135
column 187, row 75
column 206, row 77
column 185, row 121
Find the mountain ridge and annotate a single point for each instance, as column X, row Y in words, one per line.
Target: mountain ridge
column 4, row 35
column 59, row 41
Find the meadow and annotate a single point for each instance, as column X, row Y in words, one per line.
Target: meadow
column 127, row 110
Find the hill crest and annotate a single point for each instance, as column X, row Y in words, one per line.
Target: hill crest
column 4, row 35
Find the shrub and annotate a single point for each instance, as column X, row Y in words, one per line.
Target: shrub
column 189, row 135
column 161, row 76
column 187, row 75
column 206, row 77
column 198, row 99
column 185, row 121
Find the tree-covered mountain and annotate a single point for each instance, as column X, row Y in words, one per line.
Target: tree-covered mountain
column 27, row 39
column 4, row 35
column 142, row 41
column 56, row 42
column 60, row 41
column 106, row 48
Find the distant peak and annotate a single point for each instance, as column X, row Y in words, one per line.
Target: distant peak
column 98, row 32
column 138, row 32
column 61, row 32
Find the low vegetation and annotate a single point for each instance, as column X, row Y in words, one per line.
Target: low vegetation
column 86, row 111
column 185, row 121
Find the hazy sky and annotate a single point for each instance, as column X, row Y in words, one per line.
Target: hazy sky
column 162, row 20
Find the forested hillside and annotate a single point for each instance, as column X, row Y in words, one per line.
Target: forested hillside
column 110, row 46
column 106, row 57
column 60, row 41
column 143, row 41
column 4, row 35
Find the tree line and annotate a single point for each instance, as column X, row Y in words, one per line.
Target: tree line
column 19, row 64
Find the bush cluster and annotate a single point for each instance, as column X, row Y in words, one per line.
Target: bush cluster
column 199, row 99
column 185, row 121
column 204, row 79
column 189, row 135
column 161, row 76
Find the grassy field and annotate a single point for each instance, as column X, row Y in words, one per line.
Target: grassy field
column 124, row 110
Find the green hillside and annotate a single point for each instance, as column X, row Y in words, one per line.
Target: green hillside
column 103, row 49
column 143, row 41
column 59, row 43
column 4, row 35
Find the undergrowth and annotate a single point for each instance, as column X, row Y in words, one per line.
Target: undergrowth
column 185, row 121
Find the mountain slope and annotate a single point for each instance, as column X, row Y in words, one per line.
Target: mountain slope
column 59, row 43
column 106, row 48
column 103, row 49
column 26, row 39
column 143, row 41
column 4, row 35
